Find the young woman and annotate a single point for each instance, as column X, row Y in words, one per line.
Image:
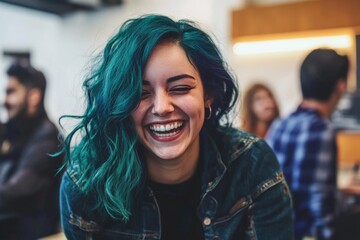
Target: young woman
column 153, row 161
column 259, row 110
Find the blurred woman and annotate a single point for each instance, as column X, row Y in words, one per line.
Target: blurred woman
column 259, row 109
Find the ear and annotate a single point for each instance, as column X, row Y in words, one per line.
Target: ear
column 341, row 86
column 34, row 99
column 208, row 101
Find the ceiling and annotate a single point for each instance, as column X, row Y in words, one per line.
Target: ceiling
column 62, row 7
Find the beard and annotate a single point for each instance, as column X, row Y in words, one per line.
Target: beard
column 20, row 117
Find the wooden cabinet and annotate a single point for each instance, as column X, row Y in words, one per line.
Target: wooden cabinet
column 348, row 143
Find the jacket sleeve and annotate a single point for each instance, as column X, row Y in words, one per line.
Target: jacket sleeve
column 35, row 172
column 271, row 213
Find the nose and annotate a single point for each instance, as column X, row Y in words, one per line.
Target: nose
column 269, row 101
column 162, row 104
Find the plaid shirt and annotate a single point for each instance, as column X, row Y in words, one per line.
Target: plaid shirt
column 304, row 144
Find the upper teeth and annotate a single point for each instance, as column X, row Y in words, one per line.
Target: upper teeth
column 165, row 127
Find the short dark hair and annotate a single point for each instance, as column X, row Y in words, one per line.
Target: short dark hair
column 27, row 75
column 320, row 71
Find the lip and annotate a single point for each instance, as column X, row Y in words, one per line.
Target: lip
column 269, row 108
column 170, row 135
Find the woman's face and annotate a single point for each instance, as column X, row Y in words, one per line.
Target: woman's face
column 263, row 106
column 171, row 112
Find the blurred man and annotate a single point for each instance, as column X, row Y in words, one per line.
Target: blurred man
column 28, row 180
column 304, row 143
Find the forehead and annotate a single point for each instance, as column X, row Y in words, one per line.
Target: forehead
column 168, row 59
column 261, row 92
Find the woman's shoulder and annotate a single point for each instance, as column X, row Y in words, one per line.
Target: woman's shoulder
column 71, row 179
column 71, row 192
column 73, row 175
column 236, row 141
column 250, row 156
column 238, row 147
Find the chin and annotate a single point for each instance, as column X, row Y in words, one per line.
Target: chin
column 169, row 155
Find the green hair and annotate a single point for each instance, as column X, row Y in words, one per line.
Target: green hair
column 107, row 156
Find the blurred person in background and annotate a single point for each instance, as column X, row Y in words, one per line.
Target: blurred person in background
column 259, row 109
column 304, row 143
column 29, row 183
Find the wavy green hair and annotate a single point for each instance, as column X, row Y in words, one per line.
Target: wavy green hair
column 107, row 157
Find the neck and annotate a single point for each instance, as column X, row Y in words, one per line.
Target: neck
column 324, row 108
column 261, row 128
column 173, row 171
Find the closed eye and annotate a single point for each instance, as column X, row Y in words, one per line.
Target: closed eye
column 145, row 94
column 181, row 89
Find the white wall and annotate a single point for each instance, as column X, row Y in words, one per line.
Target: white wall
column 279, row 72
column 21, row 29
column 62, row 47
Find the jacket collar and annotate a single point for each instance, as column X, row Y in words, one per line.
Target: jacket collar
column 211, row 165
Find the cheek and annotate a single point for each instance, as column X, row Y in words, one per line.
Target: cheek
column 14, row 100
column 255, row 106
column 258, row 108
column 137, row 116
column 194, row 110
column 272, row 104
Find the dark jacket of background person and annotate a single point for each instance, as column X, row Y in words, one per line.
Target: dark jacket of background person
column 29, row 184
column 241, row 207
column 304, row 143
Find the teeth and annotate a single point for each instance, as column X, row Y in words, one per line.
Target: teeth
column 162, row 128
column 166, row 134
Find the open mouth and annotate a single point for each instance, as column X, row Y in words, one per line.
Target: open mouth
column 166, row 130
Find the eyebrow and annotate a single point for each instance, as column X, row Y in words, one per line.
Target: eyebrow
column 9, row 89
column 172, row 79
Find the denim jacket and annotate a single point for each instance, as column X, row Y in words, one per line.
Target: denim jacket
column 243, row 196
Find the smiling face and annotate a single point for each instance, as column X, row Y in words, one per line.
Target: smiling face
column 171, row 113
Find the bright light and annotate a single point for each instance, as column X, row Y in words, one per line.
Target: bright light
column 290, row 45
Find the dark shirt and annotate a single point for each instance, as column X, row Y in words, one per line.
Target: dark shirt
column 29, row 183
column 178, row 207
